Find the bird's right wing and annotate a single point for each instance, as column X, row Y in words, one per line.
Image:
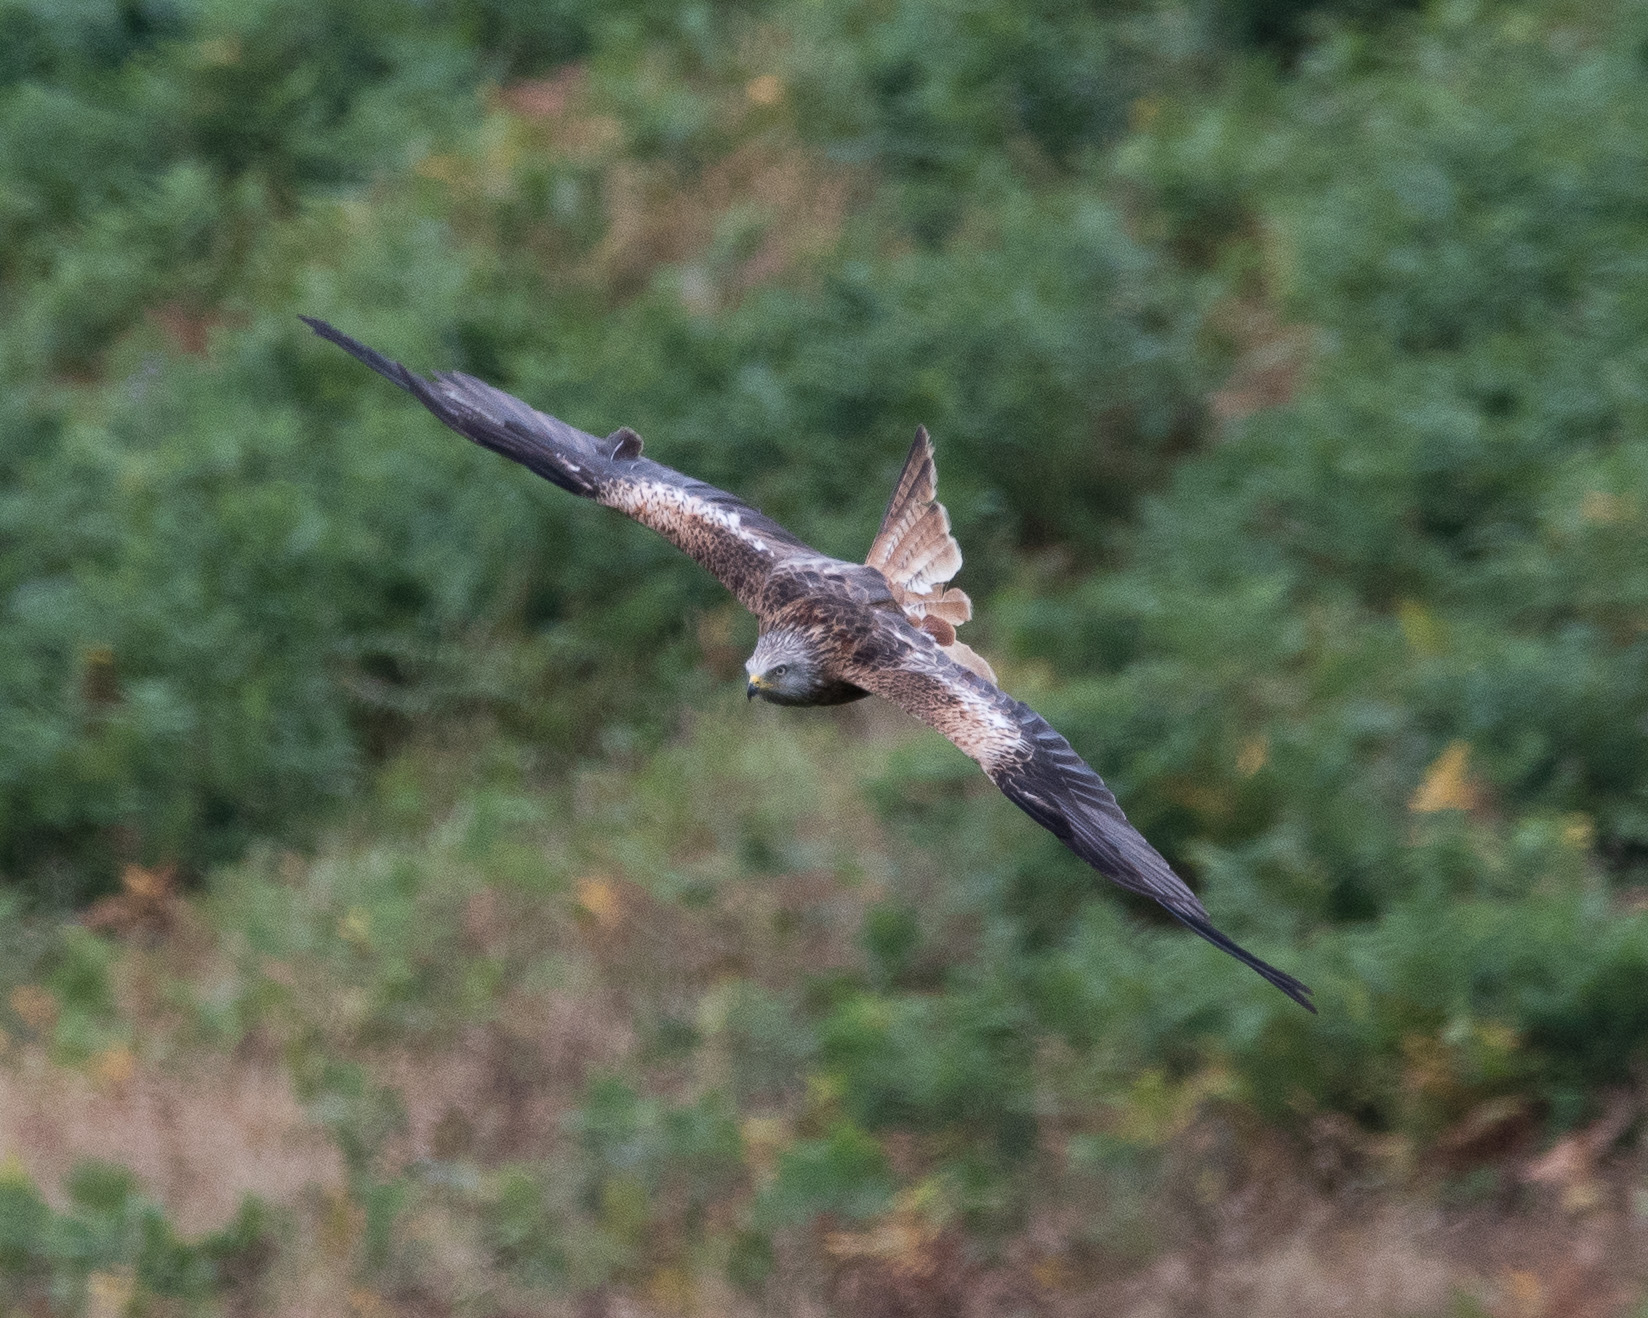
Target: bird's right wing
column 1038, row 771
column 739, row 545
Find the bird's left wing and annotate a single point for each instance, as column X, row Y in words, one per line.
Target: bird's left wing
column 1036, row 770
column 918, row 556
column 739, row 545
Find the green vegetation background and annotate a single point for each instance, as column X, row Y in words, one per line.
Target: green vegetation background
column 1289, row 371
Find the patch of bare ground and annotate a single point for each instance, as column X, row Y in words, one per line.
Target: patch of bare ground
column 1235, row 1219
column 754, row 215
column 1395, row 1257
column 200, row 1135
column 501, row 1090
column 1243, row 1226
column 1400, row 1256
column 767, row 205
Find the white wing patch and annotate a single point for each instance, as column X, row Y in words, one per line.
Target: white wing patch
column 980, row 723
column 665, row 507
column 998, row 734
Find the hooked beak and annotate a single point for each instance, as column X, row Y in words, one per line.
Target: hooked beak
column 751, row 688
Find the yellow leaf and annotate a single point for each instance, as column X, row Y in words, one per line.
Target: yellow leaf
column 443, row 168
column 1578, row 831
column 764, row 90
column 34, row 1006
column 356, row 926
column 1053, row 1273
column 1428, row 1068
column 109, row 1294
column 824, row 1092
column 1448, row 784
column 114, row 1067
column 763, row 1139
column 364, row 1303
column 1527, row 1294
column 601, row 900
column 1602, row 508
column 1253, row 756
column 218, row 52
column 148, row 885
column 1157, row 1108
column 626, row 1207
column 340, row 1223
column 1204, row 798
column 1420, row 628
column 902, row 1240
column 671, row 1289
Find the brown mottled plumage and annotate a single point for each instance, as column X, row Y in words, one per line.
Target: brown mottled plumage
column 833, row 631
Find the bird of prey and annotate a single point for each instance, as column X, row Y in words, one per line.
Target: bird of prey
column 832, row 631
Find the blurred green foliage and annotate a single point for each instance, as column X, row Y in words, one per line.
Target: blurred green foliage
column 111, row 1248
column 1287, row 366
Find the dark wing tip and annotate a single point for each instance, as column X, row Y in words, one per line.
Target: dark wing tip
column 492, row 418
column 384, row 366
column 1062, row 793
column 1295, row 989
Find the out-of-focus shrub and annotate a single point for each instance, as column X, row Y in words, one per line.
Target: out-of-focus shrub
column 1375, row 666
column 229, row 583
column 111, row 1247
column 1293, row 422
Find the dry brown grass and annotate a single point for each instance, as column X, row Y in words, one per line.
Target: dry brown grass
column 1243, row 1226
column 791, row 205
column 756, row 214
column 1235, row 1219
column 200, row 1134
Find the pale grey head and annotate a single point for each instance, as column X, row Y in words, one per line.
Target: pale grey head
column 788, row 668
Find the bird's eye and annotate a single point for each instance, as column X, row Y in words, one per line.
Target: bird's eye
column 780, row 670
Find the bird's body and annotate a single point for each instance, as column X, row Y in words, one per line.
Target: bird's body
column 834, row 631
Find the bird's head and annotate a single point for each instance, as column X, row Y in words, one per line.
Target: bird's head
column 784, row 669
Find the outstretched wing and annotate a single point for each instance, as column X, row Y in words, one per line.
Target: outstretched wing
column 917, row 554
column 736, row 543
column 1036, row 770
